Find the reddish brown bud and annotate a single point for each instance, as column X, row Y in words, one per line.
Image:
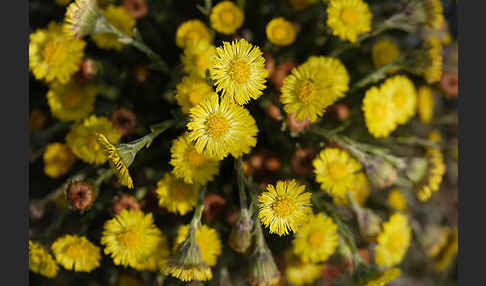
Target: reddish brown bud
column 124, row 120
column 342, row 111
column 301, row 161
column 213, row 206
column 141, row 73
column 449, row 83
column 80, row 195
column 281, row 72
column 136, row 8
column 273, row 112
column 256, row 160
column 125, row 202
column 295, row 125
column 269, row 64
column 272, row 164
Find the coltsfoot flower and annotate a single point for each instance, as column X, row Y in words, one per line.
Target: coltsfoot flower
column 433, row 69
column 41, row 261
column 72, row 101
column 378, row 113
column 397, row 200
column 401, row 91
column 425, row 104
column 198, row 58
column 301, row 273
column 384, row 278
column 190, row 91
column 393, row 241
column 206, row 238
column 76, row 253
column 58, row 159
column 191, row 32
column 280, row 32
column 384, row 51
column 157, row 260
column 226, row 17
column 431, row 181
column 176, row 195
column 349, row 19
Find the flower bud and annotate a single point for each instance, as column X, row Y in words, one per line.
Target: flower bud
column 141, row 73
column 136, row 8
column 240, row 236
column 83, row 17
column 80, row 195
column 342, row 111
column 37, row 120
column 296, row 126
column 272, row 164
column 124, row 120
column 213, row 206
column 125, row 202
column 368, row 222
column 263, row 270
column 416, row 169
column 87, row 70
column 380, row 172
column 273, row 112
column 449, row 83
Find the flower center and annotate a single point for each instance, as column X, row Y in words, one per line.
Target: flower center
column 306, row 92
column 74, row 251
column 194, row 97
column 280, row 32
column 93, row 143
column 240, row 71
column 349, row 16
column 217, row 126
column 54, row 52
column 395, row 243
column 180, row 192
column 283, row 207
column 227, row 16
column 192, row 36
column 399, row 99
column 379, row 111
column 337, row 170
column 71, row 99
column 129, row 239
column 315, row 238
column 195, row 159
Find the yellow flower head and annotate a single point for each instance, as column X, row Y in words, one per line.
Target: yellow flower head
column 425, row 104
column 58, row 160
column 190, row 165
column 349, row 19
column 336, row 171
column 117, row 164
column 192, row 31
column 316, row 240
column 280, row 32
column 385, row 277
column 175, row 195
column 197, row 58
column 190, row 91
column 83, row 142
column 238, row 70
column 360, row 191
column 157, row 260
column 72, row 101
column 433, row 69
column 53, row 55
column 40, row 261
column 81, row 17
column 448, row 252
column 378, row 112
column 226, row 17
column 206, row 238
column 396, row 200
column 401, row 91
column 384, row 51
column 301, row 273
column 130, row 237
column 434, row 11
column 433, row 178
column 120, row 19
column 313, row 86
column 76, row 253
column 284, row 207
column 393, row 241
column 220, row 128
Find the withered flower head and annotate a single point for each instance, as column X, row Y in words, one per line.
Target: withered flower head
column 80, row 195
column 124, row 120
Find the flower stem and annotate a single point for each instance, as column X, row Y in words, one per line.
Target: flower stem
column 196, row 218
column 240, row 177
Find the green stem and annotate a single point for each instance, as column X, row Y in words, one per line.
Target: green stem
column 377, row 75
column 240, row 177
column 196, row 218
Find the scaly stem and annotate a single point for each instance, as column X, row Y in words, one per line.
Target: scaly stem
column 196, row 218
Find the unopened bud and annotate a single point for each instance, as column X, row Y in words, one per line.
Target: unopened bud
column 125, row 202
column 272, row 164
column 380, row 172
column 273, row 112
column 213, row 206
column 368, row 222
column 124, row 120
column 240, row 236
column 136, row 8
column 416, row 169
column 80, row 195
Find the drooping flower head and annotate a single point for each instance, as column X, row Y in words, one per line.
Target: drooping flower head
column 117, row 159
column 219, row 128
column 118, row 17
column 206, row 238
column 284, row 207
column 197, row 58
column 349, row 19
column 190, row 91
column 425, row 104
column 58, row 159
column 81, row 17
column 238, row 71
column 130, row 237
column 280, row 32
column 41, row 261
column 175, row 195
column 433, row 177
column 72, row 101
column 393, row 241
column 53, row 55
column 76, row 253
column 226, row 17
column 384, row 278
column 192, row 31
column 83, row 142
column 190, row 165
column 433, row 69
column 434, row 12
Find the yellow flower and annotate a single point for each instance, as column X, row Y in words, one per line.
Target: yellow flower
column 76, row 253
column 197, row 58
column 117, row 164
column 82, row 139
column 385, row 277
column 40, row 261
column 206, row 238
column 433, row 178
column 190, row 165
column 157, row 260
column 316, row 240
column 396, row 200
column 120, row 19
column 384, row 51
column 360, row 191
column 192, row 31
column 280, row 32
column 58, row 160
column 175, row 195
column 349, row 19
column 313, row 86
column 448, row 252
column 53, row 55
column 425, row 104
column 81, row 18
column 434, row 11
column 190, row 91
column 336, row 171
column 226, row 17
column 219, row 128
column 393, row 241
column 300, row 273
column 238, row 70
column 435, row 136
column 284, row 207
column 130, row 237
column 433, row 69
column 378, row 112
column 72, row 101
column 403, row 96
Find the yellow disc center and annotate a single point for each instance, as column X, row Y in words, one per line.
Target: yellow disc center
column 195, row 159
column 74, row 251
column 379, row 111
column 71, row 99
column 283, row 207
column 395, row 242
column 194, row 97
column 129, row 239
column 93, row 143
column 400, row 99
column 217, row 126
column 240, row 71
column 200, row 61
column 280, row 32
column 306, row 92
column 315, row 238
column 338, row 170
column 54, row 52
column 180, row 192
column 227, row 16
column 349, row 16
